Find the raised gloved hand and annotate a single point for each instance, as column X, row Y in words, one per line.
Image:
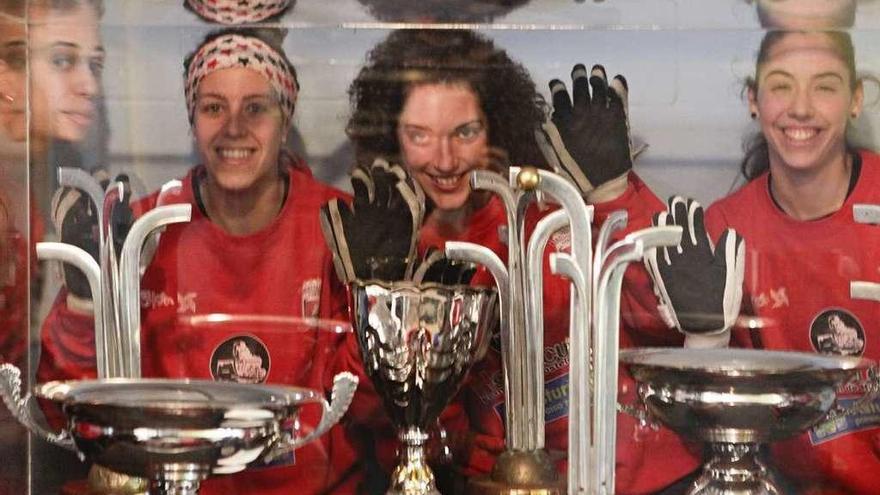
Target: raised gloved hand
column 436, row 267
column 587, row 138
column 699, row 285
column 376, row 237
column 76, row 221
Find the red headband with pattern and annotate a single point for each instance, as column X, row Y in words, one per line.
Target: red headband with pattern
column 235, row 50
column 237, row 11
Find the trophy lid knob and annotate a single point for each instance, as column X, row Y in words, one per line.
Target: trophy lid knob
column 528, row 178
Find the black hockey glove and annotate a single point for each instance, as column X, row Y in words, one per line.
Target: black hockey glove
column 699, row 285
column 436, row 267
column 76, row 221
column 376, row 237
column 587, row 138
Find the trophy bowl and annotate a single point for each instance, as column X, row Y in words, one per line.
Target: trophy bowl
column 737, row 399
column 176, row 433
column 417, row 343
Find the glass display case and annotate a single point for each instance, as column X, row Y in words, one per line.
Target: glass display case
column 103, row 87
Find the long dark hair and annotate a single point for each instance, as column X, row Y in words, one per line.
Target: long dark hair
column 507, row 94
column 756, row 159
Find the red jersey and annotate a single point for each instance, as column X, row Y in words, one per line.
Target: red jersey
column 283, row 270
column 639, row 468
column 797, row 281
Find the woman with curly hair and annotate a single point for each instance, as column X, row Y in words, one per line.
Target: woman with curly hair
column 444, row 103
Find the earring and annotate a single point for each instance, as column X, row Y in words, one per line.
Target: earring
column 754, row 115
column 854, row 114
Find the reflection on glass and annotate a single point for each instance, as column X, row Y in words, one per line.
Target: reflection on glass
column 806, row 14
column 441, row 10
column 234, row 12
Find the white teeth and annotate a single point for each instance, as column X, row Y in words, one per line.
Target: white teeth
column 446, row 181
column 800, row 134
column 235, row 153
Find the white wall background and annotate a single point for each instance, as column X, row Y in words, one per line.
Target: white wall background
column 685, row 61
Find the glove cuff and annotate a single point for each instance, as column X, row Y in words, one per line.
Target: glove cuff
column 707, row 341
column 80, row 305
column 609, row 190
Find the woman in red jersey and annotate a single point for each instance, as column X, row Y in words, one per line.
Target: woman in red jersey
column 804, row 245
column 444, row 103
column 251, row 250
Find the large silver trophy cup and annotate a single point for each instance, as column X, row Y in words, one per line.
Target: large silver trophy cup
column 736, row 400
column 417, row 342
column 176, row 433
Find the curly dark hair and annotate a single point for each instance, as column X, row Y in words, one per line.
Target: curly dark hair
column 507, row 94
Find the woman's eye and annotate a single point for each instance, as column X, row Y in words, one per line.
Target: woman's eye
column 96, row 66
column 63, row 61
column 210, row 108
column 256, row 108
column 469, row 132
column 780, row 87
column 418, row 137
column 827, row 88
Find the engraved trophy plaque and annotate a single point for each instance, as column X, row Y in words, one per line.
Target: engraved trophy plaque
column 417, row 343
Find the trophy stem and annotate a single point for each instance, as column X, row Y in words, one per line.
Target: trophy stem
column 413, row 476
column 734, row 469
column 178, row 479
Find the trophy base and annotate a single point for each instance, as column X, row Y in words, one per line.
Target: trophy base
column 519, row 473
column 734, row 469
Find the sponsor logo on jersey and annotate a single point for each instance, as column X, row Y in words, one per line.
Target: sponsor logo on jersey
column 185, row 302
column 241, row 359
column 837, row 332
column 858, row 417
column 311, row 297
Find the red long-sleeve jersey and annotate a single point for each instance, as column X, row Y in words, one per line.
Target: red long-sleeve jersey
column 797, row 282
column 269, row 280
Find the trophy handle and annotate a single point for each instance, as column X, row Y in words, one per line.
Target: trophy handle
column 344, row 387
column 10, row 389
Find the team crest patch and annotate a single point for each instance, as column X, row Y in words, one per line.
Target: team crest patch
column 241, row 359
column 837, row 332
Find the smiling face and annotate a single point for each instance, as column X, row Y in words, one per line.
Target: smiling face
column 805, row 96
column 443, row 136
column 13, row 80
column 67, row 59
column 238, row 129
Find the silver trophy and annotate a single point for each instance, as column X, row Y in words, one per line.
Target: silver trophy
column 167, row 434
column 417, row 343
column 176, row 433
column 596, row 279
column 736, row 400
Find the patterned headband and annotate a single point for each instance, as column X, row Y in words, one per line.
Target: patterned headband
column 237, row 11
column 235, row 50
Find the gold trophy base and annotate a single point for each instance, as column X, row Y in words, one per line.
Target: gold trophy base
column 520, row 473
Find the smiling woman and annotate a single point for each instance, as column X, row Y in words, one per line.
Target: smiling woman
column 804, row 246
column 252, row 247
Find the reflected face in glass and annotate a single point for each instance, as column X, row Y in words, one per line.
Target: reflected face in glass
column 238, row 128
column 67, row 59
column 443, row 136
column 13, row 80
column 804, row 100
column 806, row 14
